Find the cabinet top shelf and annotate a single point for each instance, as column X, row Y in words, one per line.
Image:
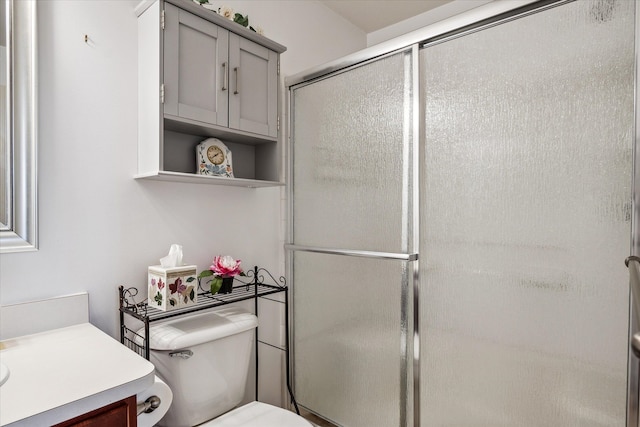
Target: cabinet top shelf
column 196, row 9
column 203, row 179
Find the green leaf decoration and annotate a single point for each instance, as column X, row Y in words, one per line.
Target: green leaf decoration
column 158, row 298
column 205, row 273
column 173, row 302
column 191, row 279
column 192, row 294
column 216, row 284
column 203, row 1
column 242, row 20
column 188, row 294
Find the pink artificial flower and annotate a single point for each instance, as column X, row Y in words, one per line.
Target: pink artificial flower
column 225, row 266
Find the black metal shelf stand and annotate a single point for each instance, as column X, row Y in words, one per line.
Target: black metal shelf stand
column 255, row 288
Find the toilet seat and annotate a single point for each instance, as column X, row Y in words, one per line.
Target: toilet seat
column 258, row 414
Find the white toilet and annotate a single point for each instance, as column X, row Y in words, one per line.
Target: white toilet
column 204, row 359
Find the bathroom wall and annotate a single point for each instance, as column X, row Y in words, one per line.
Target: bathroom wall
column 98, row 226
column 447, row 10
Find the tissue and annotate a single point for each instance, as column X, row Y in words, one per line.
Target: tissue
column 172, row 285
column 174, row 258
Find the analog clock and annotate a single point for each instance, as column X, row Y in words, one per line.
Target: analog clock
column 215, row 155
column 213, row 158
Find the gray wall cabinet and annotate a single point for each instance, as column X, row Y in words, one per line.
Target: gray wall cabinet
column 253, row 104
column 195, row 67
column 199, row 76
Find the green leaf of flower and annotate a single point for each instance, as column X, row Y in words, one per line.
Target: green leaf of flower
column 205, row 273
column 191, row 278
column 216, row 284
column 242, row 20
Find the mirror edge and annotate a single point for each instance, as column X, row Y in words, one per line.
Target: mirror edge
column 24, row 236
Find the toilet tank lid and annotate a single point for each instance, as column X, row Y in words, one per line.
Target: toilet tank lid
column 192, row 330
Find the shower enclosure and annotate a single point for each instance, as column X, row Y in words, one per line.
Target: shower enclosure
column 461, row 205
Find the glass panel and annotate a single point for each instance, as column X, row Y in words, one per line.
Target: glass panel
column 525, row 205
column 347, row 338
column 350, row 146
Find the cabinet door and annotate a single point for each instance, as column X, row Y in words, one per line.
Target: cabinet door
column 195, row 68
column 253, row 97
column 117, row 414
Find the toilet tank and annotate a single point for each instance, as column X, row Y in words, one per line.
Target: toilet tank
column 204, row 358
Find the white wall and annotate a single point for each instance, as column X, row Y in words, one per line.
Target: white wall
column 417, row 22
column 98, row 226
column 313, row 33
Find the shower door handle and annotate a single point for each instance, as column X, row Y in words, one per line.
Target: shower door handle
column 635, row 344
column 633, row 262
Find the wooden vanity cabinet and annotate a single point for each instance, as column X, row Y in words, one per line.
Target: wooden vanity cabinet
column 117, row 414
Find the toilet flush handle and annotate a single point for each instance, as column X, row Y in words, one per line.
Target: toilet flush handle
column 183, row 354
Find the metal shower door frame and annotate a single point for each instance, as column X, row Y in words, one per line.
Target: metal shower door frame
column 408, row 257
column 486, row 15
column 633, row 368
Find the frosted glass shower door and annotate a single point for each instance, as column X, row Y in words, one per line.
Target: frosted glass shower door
column 352, row 149
column 526, row 177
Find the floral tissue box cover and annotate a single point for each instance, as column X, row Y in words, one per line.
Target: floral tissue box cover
column 172, row 288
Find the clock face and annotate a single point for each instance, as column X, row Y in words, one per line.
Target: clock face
column 213, row 158
column 215, row 155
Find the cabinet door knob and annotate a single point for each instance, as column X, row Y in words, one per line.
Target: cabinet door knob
column 237, row 91
column 225, row 76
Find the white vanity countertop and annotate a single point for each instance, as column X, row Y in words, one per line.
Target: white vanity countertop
column 62, row 373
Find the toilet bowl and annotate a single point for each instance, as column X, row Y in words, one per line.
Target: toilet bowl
column 260, row 414
column 204, row 359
